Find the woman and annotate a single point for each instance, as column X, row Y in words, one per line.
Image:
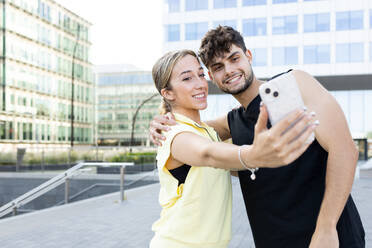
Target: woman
column 195, row 192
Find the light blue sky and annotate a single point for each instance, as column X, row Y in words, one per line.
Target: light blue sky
column 124, row 31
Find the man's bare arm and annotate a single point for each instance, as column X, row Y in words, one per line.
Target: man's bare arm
column 221, row 126
column 334, row 136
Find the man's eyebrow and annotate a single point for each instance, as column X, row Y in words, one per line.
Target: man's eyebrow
column 230, row 56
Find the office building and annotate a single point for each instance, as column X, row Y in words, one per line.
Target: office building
column 38, row 39
column 330, row 39
column 123, row 90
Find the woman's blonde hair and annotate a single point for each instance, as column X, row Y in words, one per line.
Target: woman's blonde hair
column 162, row 71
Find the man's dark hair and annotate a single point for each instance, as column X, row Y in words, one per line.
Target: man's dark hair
column 218, row 41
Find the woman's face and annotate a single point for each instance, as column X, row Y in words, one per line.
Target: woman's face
column 189, row 88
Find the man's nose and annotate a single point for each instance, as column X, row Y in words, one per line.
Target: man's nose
column 229, row 69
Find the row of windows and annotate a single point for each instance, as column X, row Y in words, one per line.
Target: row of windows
column 110, row 116
column 119, row 128
column 54, row 15
column 27, row 131
column 42, row 57
column 315, row 54
column 43, row 107
column 32, row 28
column 125, row 79
column 26, row 78
column 348, row 20
column 192, row 5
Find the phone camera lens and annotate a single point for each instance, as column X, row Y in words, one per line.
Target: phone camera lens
column 276, row 93
column 267, row 91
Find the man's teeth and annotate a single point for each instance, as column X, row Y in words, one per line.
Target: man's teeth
column 200, row 96
column 234, row 79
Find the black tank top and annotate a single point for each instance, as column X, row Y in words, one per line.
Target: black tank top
column 283, row 203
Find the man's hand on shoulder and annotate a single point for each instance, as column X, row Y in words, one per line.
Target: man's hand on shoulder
column 158, row 124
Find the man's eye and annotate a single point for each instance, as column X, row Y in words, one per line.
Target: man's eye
column 235, row 58
column 202, row 75
column 217, row 68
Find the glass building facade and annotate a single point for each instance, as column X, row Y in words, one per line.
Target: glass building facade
column 37, row 42
column 329, row 40
column 119, row 95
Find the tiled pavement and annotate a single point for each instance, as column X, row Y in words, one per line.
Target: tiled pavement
column 104, row 222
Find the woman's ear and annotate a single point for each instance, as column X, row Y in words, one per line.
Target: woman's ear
column 167, row 94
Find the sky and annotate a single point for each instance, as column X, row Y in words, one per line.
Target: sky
column 123, row 31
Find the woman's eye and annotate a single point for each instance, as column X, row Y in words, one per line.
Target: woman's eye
column 186, row 79
column 235, row 58
column 202, row 75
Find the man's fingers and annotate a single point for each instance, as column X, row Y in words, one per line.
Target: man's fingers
column 158, row 127
column 163, row 119
column 261, row 124
column 156, row 138
column 286, row 122
column 171, row 118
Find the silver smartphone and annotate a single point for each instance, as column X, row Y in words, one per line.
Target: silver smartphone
column 281, row 96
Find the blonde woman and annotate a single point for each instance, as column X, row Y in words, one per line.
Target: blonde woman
column 194, row 168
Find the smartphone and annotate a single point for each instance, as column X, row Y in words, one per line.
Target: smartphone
column 281, row 96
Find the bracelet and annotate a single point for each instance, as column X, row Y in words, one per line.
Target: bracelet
column 252, row 170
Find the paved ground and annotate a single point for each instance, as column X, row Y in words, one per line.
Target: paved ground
column 104, row 222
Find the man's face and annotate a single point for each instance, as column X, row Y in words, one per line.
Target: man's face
column 232, row 72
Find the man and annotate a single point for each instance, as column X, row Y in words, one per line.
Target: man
column 308, row 203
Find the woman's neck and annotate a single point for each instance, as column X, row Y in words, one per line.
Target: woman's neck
column 190, row 113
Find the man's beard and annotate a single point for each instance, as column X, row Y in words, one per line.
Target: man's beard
column 247, row 82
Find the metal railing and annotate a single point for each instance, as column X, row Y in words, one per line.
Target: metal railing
column 58, row 180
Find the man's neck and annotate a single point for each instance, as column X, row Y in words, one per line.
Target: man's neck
column 247, row 96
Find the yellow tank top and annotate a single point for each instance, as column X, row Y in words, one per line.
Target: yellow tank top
column 198, row 212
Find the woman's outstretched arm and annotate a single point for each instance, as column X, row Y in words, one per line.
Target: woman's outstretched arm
column 271, row 147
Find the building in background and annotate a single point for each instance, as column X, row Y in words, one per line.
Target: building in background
column 330, row 39
column 121, row 90
column 37, row 41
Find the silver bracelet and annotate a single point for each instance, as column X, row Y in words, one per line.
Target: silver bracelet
column 252, row 170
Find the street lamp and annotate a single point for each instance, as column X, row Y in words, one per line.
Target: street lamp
column 72, row 84
column 135, row 117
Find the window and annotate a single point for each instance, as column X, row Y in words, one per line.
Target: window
column 195, row 31
column 173, row 6
column 254, row 27
column 349, row 53
column 285, row 25
column 317, row 22
column 349, row 20
column 284, row 1
column 285, row 55
column 230, row 23
column 172, row 32
column 196, row 5
column 221, row 4
column 254, row 2
column 259, row 56
column 319, row 54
